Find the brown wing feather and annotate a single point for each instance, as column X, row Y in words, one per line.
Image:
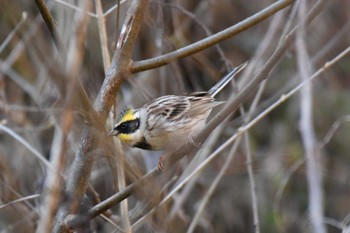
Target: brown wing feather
column 166, row 112
column 175, row 107
column 172, row 119
column 201, row 102
column 170, row 107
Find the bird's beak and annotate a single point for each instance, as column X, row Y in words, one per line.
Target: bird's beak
column 113, row 133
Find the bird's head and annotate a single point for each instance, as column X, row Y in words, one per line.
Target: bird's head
column 128, row 127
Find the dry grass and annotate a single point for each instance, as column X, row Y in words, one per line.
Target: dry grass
column 275, row 158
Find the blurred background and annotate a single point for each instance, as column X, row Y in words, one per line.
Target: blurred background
column 33, row 87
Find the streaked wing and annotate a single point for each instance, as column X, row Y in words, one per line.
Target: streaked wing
column 173, row 112
column 170, row 107
column 201, row 102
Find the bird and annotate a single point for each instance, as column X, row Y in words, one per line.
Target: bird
column 169, row 121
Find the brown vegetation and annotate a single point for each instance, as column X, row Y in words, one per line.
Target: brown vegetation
column 274, row 158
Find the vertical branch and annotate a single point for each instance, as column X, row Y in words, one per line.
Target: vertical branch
column 52, row 185
column 124, row 207
column 253, row 193
column 259, row 56
column 103, row 35
column 313, row 164
column 118, row 70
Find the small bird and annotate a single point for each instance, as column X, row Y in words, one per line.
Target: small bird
column 168, row 122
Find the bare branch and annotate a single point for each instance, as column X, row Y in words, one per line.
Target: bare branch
column 30, row 197
column 36, row 153
column 211, row 40
column 333, row 129
column 50, row 23
column 103, row 35
column 13, row 32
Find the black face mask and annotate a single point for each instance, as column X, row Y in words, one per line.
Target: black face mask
column 128, row 127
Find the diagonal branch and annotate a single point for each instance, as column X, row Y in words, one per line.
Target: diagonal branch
column 211, row 40
column 50, row 23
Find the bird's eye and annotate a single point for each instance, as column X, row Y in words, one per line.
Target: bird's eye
column 123, row 126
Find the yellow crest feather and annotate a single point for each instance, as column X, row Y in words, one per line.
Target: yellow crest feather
column 128, row 115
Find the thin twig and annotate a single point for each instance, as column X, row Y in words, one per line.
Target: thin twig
column 117, row 198
column 119, row 160
column 109, row 11
column 118, row 15
column 256, row 61
column 25, row 85
column 334, row 127
column 50, row 23
column 30, row 197
column 13, row 32
column 103, row 35
column 335, row 224
column 281, row 187
column 75, row 8
column 18, row 138
column 207, row 32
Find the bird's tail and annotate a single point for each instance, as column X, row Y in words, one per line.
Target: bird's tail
column 225, row 80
